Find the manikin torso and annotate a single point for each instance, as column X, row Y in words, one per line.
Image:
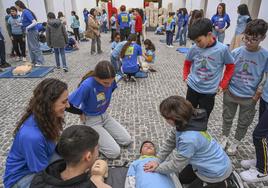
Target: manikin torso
column 99, row 171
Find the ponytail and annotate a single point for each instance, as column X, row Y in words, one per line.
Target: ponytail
column 131, row 38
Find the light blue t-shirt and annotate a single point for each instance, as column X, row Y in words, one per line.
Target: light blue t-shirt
column 130, row 61
column 117, row 50
column 170, row 24
column 91, row 97
column 207, row 67
column 204, row 153
column 249, row 69
column 27, row 19
column 15, row 23
column 74, row 22
column 151, row 53
column 148, row 179
column 114, row 44
column 30, row 153
column 241, row 24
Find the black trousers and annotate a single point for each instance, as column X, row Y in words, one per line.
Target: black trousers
column 19, row 45
column 113, row 31
column 2, row 52
column 124, row 33
column 187, row 176
column 204, row 101
column 76, row 34
column 139, row 38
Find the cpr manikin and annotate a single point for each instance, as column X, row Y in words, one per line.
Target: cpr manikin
column 99, row 171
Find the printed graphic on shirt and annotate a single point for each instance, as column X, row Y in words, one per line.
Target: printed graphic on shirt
column 206, row 135
column 101, row 100
column 244, row 75
column 124, row 18
column 203, row 72
column 130, row 51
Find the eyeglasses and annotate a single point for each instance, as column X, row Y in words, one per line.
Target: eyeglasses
column 252, row 40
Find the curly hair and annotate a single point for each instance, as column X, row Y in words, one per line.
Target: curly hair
column 41, row 107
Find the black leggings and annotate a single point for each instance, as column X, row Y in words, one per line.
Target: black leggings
column 76, row 34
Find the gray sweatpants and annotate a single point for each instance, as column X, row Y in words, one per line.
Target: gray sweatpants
column 111, row 134
column 34, row 47
column 245, row 117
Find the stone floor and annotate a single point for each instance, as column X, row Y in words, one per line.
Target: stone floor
column 134, row 105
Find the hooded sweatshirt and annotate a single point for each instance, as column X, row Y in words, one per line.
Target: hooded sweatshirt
column 51, row 178
column 194, row 146
column 56, row 34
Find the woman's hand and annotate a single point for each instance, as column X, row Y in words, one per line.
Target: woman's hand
column 83, row 118
column 150, row 166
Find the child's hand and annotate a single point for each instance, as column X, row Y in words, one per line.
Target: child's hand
column 220, row 90
column 83, row 118
column 257, row 95
column 150, row 166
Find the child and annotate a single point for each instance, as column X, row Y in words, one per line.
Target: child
column 149, row 54
column 115, row 57
column 251, row 61
column 184, row 27
column 204, row 65
column 124, row 23
column 75, row 24
column 170, row 25
column 57, row 38
column 130, row 55
column 138, row 178
column 193, row 152
column 116, row 40
column 17, row 34
column 78, row 146
column 113, row 26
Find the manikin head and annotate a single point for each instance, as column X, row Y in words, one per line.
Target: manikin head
column 100, row 168
column 148, row 148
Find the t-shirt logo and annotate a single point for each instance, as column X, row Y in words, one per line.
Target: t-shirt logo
column 245, row 69
column 129, row 51
column 101, row 97
column 124, row 18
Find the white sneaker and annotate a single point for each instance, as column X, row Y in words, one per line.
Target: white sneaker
column 253, row 175
column 171, row 46
column 24, row 59
column 232, row 149
column 17, row 58
column 247, row 164
column 223, row 141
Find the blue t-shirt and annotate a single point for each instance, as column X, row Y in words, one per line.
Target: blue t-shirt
column 85, row 14
column 15, row 23
column 92, row 97
column 27, row 19
column 207, row 67
column 40, row 27
column 205, row 155
column 170, row 24
column 180, row 20
column 130, row 61
column 116, row 52
column 150, row 53
column 241, row 24
column 29, row 153
column 123, row 20
column 148, row 179
column 249, row 69
column 220, row 21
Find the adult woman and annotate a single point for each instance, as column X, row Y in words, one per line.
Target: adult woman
column 104, row 20
column 242, row 20
column 93, row 32
column 61, row 17
column 37, row 132
column 92, row 98
column 184, row 26
column 75, row 24
column 221, row 22
column 29, row 22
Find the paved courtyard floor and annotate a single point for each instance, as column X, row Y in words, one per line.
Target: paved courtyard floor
column 134, row 105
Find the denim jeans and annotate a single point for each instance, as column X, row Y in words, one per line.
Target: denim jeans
column 34, row 47
column 116, row 64
column 60, row 52
column 219, row 36
column 24, row 182
column 104, row 27
column 169, row 39
column 178, row 33
column 183, row 38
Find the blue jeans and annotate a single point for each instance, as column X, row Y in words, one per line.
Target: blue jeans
column 116, row 64
column 219, row 36
column 34, row 47
column 183, row 32
column 104, row 27
column 24, row 182
column 169, row 39
column 58, row 52
column 178, row 33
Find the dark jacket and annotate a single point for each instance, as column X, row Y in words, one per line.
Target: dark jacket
column 56, row 34
column 50, row 178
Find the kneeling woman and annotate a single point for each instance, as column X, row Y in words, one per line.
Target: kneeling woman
column 92, row 98
column 36, row 133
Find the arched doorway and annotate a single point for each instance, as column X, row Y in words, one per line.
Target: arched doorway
column 154, row 1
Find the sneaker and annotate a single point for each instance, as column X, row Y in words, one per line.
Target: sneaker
column 93, row 53
column 65, row 69
column 24, row 59
column 100, row 52
column 223, row 141
column 133, row 79
column 38, row 65
column 152, row 70
column 247, row 164
column 171, row 46
column 17, row 58
column 233, row 147
column 5, row 65
column 253, row 175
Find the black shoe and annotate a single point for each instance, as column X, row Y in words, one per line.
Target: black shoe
column 5, row 65
column 65, row 69
column 100, row 52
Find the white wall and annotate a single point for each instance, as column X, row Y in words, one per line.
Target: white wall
column 263, row 14
column 128, row 3
column 192, row 4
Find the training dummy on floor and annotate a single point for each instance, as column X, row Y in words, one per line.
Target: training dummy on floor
column 99, row 171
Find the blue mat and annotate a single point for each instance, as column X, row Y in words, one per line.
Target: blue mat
column 183, row 50
column 141, row 74
column 37, row 72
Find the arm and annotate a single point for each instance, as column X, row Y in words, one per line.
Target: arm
column 228, row 73
column 48, row 36
column 64, row 33
column 186, row 69
column 8, row 24
column 260, row 87
column 34, row 22
column 168, row 145
column 73, row 110
column 130, row 182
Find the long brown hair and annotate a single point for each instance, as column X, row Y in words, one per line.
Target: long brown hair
column 223, row 9
column 178, row 109
column 103, row 70
column 41, row 106
column 131, row 38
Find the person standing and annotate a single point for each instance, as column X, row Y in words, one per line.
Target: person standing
column 17, row 34
column 93, row 32
column 3, row 63
column 57, row 38
column 104, row 21
column 86, row 14
column 124, row 23
column 184, row 27
column 221, row 21
column 138, row 25
column 113, row 22
column 29, row 22
column 75, row 24
column 170, row 25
